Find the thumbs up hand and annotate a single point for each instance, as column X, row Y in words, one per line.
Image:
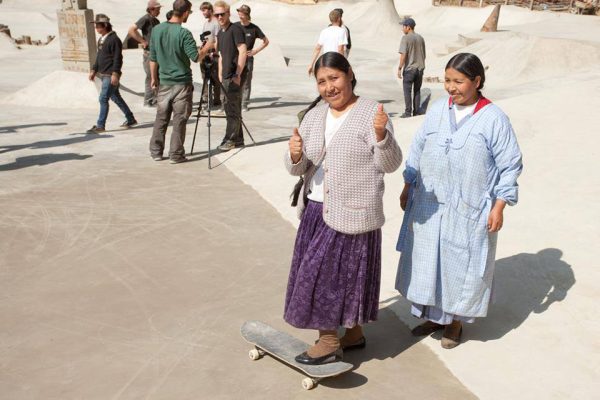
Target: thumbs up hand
column 295, row 144
column 379, row 123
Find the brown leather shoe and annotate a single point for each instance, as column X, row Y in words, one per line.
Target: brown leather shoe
column 451, row 338
column 426, row 328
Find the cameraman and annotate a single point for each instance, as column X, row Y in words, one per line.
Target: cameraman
column 231, row 45
column 208, row 54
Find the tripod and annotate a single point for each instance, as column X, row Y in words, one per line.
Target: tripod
column 207, row 84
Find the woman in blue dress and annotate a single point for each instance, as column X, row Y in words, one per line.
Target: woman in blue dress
column 461, row 172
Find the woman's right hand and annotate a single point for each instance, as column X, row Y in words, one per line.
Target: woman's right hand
column 295, row 144
column 404, row 197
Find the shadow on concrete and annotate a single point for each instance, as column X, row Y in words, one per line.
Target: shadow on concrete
column 386, row 338
column 425, row 99
column 278, row 104
column 42, row 159
column 523, row 284
column 349, row 380
column 235, row 152
column 15, row 128
column 44, row 144
column 127, row 90
column 264, row 99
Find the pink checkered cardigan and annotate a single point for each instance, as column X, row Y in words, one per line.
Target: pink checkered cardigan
column 354, row 164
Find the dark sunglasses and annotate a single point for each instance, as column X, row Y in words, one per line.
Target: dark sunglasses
column 219, row 14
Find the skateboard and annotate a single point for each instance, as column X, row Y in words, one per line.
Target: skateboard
column 284, row 347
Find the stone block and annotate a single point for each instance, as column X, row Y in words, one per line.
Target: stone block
column 77, row 39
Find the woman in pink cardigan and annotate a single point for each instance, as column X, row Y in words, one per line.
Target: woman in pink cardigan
column 343, row 148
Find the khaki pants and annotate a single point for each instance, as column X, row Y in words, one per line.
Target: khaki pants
column 149, row 96
column 172, row 101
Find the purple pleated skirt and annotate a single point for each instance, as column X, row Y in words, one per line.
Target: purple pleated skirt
column 335, row 277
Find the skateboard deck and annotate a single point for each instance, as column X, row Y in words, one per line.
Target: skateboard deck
column 285, row 348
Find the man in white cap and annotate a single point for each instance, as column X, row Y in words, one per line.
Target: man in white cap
column 145, row 24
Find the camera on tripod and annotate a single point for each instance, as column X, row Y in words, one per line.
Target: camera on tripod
column 208, row 61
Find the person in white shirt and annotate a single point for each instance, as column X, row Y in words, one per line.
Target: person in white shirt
column 333, row 38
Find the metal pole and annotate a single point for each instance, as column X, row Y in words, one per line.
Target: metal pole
column 208, row 124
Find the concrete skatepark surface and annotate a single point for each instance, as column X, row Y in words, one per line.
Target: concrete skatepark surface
column 124, row 278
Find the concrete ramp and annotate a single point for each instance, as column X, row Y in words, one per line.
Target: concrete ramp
column 59, row 89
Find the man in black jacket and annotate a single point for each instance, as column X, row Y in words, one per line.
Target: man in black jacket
column 107, row 67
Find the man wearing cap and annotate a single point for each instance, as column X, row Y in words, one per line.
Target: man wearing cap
column 411, row 67
column 107, row 67
column 332, row 38
column 145, row 24
column 251, row 32
column 231, row 45
column 171, row 49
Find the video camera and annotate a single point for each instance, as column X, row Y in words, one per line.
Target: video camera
column 204, row 36
column 208, row 60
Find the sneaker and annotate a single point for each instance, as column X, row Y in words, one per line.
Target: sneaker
column 245, row 108
column 157, row 158
column 177, row 160
column 229, row 145
column 129, row 124
column 95, row 129
column 150, row 105
column 405, row 115
column 238, row 145
column 218, row 111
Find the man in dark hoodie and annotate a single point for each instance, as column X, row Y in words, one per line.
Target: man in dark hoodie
column 107, row 67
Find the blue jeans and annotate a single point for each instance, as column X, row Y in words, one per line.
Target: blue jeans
column 111, row 92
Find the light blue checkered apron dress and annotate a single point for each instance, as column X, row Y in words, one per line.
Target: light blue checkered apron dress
column 456, row 172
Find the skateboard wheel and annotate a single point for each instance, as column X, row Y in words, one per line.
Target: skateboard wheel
column 308, row 383
column 254, row 354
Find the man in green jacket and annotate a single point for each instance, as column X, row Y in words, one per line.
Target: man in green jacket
column 172, row 47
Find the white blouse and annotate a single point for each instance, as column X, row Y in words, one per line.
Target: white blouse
column 332, row 125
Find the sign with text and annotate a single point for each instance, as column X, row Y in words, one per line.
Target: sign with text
column 77, row 39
